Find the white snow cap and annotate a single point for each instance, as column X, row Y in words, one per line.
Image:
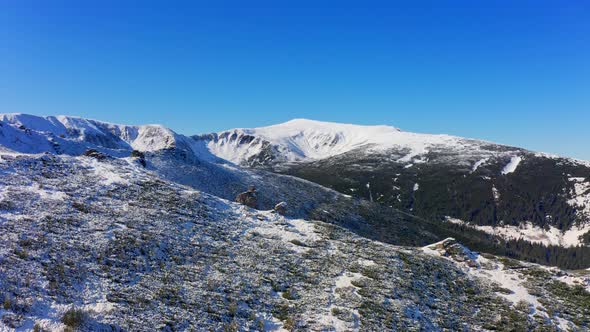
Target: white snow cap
column 302, row 139
column 77, row 129
column 316, row 139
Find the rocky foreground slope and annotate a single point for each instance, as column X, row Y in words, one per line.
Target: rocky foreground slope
column 104, row 244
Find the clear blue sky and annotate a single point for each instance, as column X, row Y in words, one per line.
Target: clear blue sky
column 514, row 72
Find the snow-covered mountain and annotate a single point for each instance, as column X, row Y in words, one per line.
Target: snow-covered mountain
column 492, row 187
column 118, row 239
column 307, row 140
column 298, row 140
column 65, row 134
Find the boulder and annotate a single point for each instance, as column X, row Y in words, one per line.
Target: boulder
column 95, row 154
column 248, row 198
column 456, row 251
column 281, row 208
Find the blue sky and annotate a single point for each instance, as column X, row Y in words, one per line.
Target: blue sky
column 514, row 72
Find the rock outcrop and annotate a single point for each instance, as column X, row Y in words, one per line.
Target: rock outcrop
column 451, row 248
column 248, row 198
column 92, row 153
column 281, row 208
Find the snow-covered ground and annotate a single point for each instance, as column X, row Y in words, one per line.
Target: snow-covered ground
column 135, row 251
column 298, row 139
column 494, row 272
column 132, row 250
column 532, row 233
column 514, row 282
column 140, row 248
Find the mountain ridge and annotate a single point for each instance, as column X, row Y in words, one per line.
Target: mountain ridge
column 21, row 119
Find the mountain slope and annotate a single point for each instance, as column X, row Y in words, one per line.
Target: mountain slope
column 491, row 187
column 108, row 245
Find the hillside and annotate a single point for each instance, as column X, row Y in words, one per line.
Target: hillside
column 108, row 245
column 505, row 191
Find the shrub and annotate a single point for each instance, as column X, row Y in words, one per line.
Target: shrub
column 231, row 327
column 81, row 207
column 6, row 205
column 38, row 328
column 281, row 311
column 137, row 154
column 25, row 242
column 233, row 308
column 289, row 295
column 21, row 253
column 359, row 283
column 289, row 324
column 337, row 311
column 371, row 273
column 7, row 304
column 261, row 326
column 74, row 318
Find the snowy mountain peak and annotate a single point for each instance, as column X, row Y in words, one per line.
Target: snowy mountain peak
column 296, row 140
column 307, row 124
column 70, row 135
column 305, row 140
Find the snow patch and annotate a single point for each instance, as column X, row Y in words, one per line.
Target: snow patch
column 581, row 196
column 496, row 194
column 512, row 165
column 345, row 280
column 532, row 233
column 271, row 323
column 478, row 163
column 494, row 272
column 508, row 279
column 46, row 194
column 366, row 262
column 576, row 281
column 342, row 281
column 296, row 233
